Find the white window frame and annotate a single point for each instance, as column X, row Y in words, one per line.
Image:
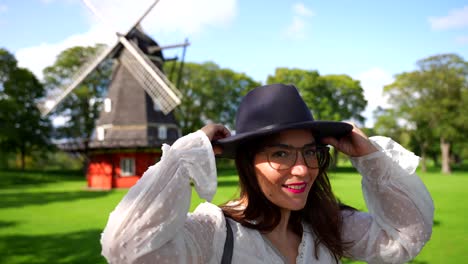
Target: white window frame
column 101, row 132
column 162, row 132
column 156, row 106
column 127, row 167
column 107, row 105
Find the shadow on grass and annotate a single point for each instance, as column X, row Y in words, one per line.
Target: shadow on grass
column 18, row 179
column 19, row 199
column 343, row 169
column 224, row 172
column 78, row 247
column 6, row 224
column 228, row 183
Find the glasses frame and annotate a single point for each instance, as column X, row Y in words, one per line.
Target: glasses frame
column 319, row 148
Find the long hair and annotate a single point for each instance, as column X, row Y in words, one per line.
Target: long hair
column 322, row 210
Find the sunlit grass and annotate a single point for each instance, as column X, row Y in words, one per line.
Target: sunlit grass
column 52, row 218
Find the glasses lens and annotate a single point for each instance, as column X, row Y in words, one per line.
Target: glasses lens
column 311, row 156
column 281, row 158
column 315, row 157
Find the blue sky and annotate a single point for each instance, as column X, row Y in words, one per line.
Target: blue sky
column 368, row 40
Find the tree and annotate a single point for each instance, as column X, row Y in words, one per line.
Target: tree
column 7, row 64
column 433, row 98
column 329, row 97
column 82, row 106
column 210, row 94
column 23, row 128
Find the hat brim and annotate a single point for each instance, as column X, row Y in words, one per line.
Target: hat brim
column 320, row 129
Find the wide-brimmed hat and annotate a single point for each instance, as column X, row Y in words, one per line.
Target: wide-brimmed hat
column 273, row 108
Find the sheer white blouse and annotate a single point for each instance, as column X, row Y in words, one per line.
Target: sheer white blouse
column 152, row 224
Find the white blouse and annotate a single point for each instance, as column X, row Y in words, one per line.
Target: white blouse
column 152, row 224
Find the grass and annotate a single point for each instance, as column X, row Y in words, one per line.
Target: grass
column 49, row 217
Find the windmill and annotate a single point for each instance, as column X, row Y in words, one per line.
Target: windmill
column 136, row 118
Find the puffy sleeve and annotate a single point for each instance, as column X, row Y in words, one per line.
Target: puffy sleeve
column 401, row 209
column 151, row 224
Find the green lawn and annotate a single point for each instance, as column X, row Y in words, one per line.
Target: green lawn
column 52, row 218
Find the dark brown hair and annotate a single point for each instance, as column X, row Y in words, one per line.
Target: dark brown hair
column 322, row 210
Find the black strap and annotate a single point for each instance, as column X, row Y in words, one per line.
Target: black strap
column 228, row 245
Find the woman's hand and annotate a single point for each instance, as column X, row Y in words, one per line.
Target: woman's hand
column 355, row 144
column 216, row 132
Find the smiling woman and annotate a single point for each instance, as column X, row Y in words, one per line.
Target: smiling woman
column 286, row 211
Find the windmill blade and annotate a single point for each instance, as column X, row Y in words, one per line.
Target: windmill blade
column 155, row 83
column 158, row 48
column 55, row 96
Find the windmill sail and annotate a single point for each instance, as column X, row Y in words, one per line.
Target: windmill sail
column 55, row 96
column 155, row 83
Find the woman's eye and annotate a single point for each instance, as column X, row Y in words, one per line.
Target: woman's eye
column 310, row 152
column 280, row 154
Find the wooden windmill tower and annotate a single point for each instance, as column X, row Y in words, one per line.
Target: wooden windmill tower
column 136, row 118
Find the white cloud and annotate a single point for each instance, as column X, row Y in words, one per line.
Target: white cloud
column 296, row 29
column 3, row 8
column 457, row 18
column 301, row 10
column 38, row 57
column 187, row 17
column 462, row 40
column 373, row 81
column 298, row 26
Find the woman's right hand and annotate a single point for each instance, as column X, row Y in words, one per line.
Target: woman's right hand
column 216, row 132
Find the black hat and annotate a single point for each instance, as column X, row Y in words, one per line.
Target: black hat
column 273, row 108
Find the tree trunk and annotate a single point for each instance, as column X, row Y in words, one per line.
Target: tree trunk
column 334, row 161
column 423, row 162
column 23, row 158
column 423, row 157
column 445, row 149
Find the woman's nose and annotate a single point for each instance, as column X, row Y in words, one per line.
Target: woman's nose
column 300, row 167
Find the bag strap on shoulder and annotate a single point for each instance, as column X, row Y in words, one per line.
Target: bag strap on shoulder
column 228, row 245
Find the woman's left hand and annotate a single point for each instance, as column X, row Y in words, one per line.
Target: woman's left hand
column 355, row 144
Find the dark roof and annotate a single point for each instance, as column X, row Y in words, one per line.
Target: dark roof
column 144, row 42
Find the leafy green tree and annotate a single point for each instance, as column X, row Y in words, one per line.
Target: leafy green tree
column 7, row 64
column 210, row 94
column 23, row 129
column 82, row 106
column 415, row 136
column 329, row 97
column 347, row 98
column 433, row 98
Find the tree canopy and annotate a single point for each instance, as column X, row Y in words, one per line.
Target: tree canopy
column 82, row 106
column 433, row 99
column 23, row 128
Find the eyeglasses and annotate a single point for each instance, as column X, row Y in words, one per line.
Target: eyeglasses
column 283, row 157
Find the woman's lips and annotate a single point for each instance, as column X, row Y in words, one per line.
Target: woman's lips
column 299, row 187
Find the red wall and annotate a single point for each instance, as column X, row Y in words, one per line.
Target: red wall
column 104, row 169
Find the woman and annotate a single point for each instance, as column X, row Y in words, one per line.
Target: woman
column 286, row 212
